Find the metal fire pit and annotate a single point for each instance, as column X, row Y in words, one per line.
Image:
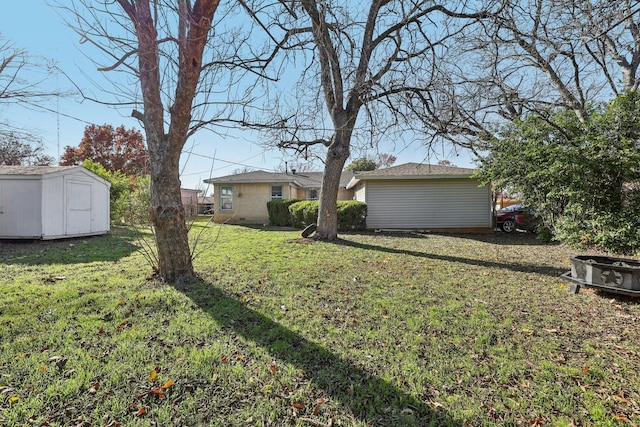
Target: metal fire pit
column 617, row 275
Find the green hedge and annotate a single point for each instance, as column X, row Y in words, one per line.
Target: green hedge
column 279, row 212
column 303, row 213
column 352, row 215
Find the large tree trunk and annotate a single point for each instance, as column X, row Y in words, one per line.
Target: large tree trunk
column 167, row 212
column 337, row 155
column 168, row 217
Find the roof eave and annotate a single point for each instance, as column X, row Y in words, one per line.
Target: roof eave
column 352, row 183
column 412, row 177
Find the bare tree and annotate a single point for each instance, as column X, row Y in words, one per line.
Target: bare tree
column 611, row 35
column 530, row 56
column 353, row 60
column 535, row 56
column 16, row 152
column 22, row 83
column 162, row 44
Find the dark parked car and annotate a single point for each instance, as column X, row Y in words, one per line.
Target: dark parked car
column 516, row 217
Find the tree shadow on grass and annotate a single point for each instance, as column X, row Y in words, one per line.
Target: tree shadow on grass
column 496, row 237
column 371, row 399
column 513, row 266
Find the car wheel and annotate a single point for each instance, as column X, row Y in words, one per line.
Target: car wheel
column 508, row 226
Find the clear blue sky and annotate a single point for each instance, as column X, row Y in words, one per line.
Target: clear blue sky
column 33, row 26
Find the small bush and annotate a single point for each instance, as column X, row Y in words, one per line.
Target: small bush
column 130, row 198
column 617, row 231
column 279, row 212
column 352, row 215
column 303, row 213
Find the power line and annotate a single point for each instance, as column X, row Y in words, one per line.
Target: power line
column 616, row 24
column 214, row 158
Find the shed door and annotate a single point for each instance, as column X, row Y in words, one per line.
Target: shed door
column 425, row 204
column 78, row 207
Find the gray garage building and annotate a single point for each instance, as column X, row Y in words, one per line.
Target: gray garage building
column 424, row 197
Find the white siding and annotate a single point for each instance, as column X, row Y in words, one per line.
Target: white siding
column 360, row 194
column 427, row 204
column 20, row 208
column 52, row 206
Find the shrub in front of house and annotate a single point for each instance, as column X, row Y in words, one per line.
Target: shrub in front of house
column 352, row 215
column 279, row 212
column 303, row 213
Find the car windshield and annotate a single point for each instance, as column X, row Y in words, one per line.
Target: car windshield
column 511, row 208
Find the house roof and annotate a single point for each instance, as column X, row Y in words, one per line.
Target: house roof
column 299, row 179
column 412, row 171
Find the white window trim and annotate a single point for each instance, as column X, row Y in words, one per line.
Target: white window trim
column 317, row 190
column 281, row 192
column 222, row 208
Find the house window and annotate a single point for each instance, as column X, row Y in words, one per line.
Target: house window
column 276, row 192
column 226, row 198
column 312, row 194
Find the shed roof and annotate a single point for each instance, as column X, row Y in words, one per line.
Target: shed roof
column 32, row 172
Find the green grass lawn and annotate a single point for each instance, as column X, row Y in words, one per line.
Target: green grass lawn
column 373, row 330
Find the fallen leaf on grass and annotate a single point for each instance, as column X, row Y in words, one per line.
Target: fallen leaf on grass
column 94, row 388
column 274, row 369
column 318, row 406
column 13, row 400
column 620, row 399
column 53, row 279
column 123, row 325
column 623, row 418
column 298, row 405
column 537, row 421
column 141, row 411
column 157, row 391
column 153, row 375
column 61, row 361
column 317, row 423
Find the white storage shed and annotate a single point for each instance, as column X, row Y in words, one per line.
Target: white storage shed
column 52, row 202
